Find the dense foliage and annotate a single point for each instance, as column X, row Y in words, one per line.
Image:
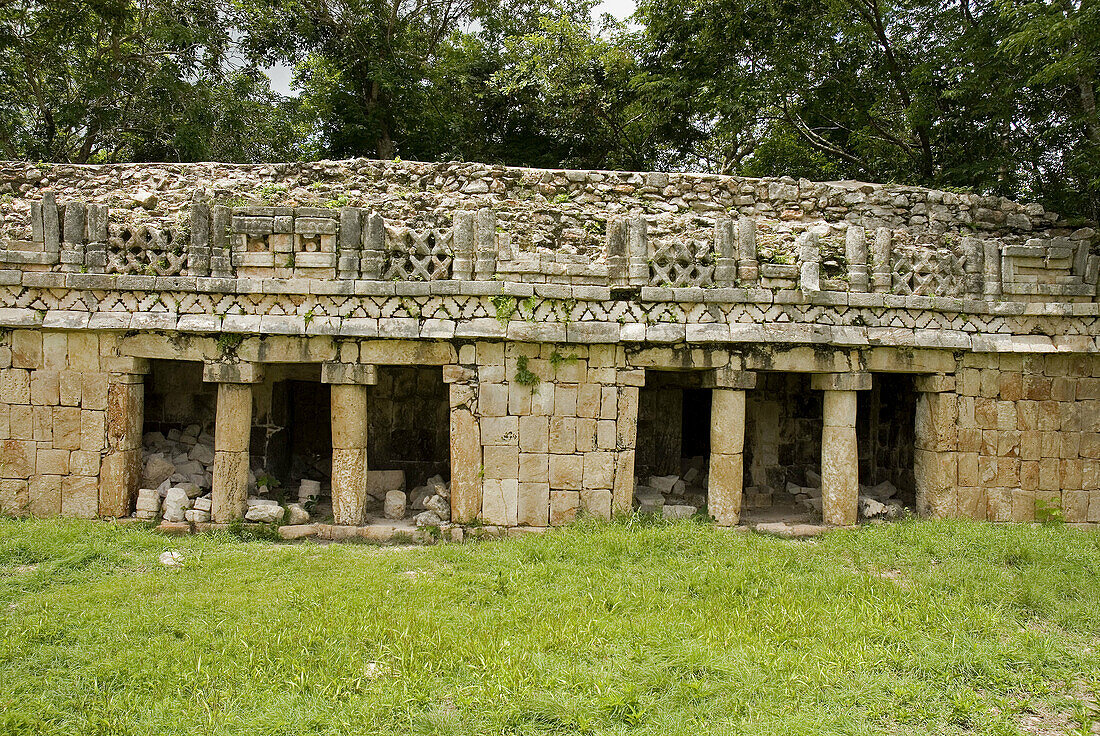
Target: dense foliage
column 995, row 96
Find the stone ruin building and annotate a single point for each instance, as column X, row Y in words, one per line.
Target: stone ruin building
column 504, row 347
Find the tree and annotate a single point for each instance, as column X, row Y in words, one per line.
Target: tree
column 950, row 95
column 118, row 80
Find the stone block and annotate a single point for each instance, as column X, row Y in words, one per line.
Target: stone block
column 94, row 388
column 234, row 419
column 589, row 398
column 1075, row 505
column 93, row 430
column 118, row 482
column 21, row 421
column 563, row 435
column 542, row 401
column 501, row 461
column 727, row 421
column 596, row 503
column 230, row 488
column 492, row 400
column 52, row 462
column 55, row 350
column 520, row 398
column 999, row 504
column 70, row 386
column 534, row 467
column 17, row 458
column 466, row 466
column 598, row 472
column 26, row 349
column 972, row 503
column 500, row 430
column 45, row 388
column 563, row 507
column 15, row 386
column 586, row 435
column 45, row 495
column 14, row 497
column 1023, row 505
column 566, row 472
column 533, row 508
column 534, row 434
column 565, row 400
column 80, row 497
column 724, row 492
column 500, row 501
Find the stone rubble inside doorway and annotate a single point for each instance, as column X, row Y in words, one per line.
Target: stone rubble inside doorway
column 177, row 478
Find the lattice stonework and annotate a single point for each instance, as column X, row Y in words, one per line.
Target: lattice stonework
column 418, row 255
column 140, row 249
column 924, row 271
column 679, row 263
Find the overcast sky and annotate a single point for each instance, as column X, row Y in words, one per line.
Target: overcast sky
column 280, row 74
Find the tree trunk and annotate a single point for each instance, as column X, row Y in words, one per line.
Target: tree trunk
column 1088, row 105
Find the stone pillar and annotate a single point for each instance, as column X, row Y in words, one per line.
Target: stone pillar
column 882, row 279
column 725, row 248
column 727, row 445
column 465, row 437
column 616, row 252
column 637, row 245
column 934, row 457
column 233, row 426
column 120, row 473
column 349, row 382
column 809, row 257
column 991, row 270
column 748, row 267
column 626, row 439
column 855, row 251
column 839, row 451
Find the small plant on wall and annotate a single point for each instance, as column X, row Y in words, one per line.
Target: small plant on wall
column 524, row 376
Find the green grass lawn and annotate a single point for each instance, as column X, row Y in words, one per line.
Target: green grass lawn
column 907, row 628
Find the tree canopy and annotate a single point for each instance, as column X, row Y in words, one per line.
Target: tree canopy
column 994, row 96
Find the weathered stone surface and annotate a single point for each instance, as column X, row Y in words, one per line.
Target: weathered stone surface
column 395, row 505
column 349, row 486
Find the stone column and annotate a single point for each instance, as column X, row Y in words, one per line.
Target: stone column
column 839, row 451
column 120, row 473
column 233, row 426
column 626, row 438
column 349, row 382
column 465, row 438
column 934, row 458
column 727, row 445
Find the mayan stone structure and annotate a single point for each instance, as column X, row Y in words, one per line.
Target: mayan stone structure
column 518, row 347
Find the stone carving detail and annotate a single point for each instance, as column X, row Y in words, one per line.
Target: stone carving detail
column 926, row 271
column 145, row 250
column 682, row 263
column 418, row 255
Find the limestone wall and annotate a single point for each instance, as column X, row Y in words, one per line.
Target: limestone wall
column 501, row 324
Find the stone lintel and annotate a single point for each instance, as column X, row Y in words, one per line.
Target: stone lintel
column 730, row 378
column 841, row 382
column 359, row 374
column 456, row 373
column 233, row 372
column 935, row 384
column 126, row 364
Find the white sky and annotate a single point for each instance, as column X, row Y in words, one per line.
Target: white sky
column 281, row 74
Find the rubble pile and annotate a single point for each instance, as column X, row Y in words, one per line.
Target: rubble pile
column 674, row 496
column 432, row 500
column 875, row 502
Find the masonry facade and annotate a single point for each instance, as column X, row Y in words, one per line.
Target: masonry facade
column 506, row 322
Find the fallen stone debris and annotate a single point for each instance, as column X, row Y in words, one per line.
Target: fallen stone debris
column 177, row 477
